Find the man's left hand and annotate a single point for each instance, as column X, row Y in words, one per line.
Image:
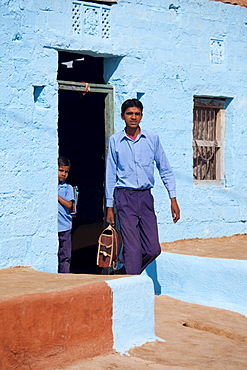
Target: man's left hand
column 175, row 210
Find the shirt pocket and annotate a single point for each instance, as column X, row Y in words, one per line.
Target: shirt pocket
column 124, row 162
column 147, row 161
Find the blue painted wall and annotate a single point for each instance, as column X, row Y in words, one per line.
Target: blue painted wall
column 214, row 282
column 158, row 50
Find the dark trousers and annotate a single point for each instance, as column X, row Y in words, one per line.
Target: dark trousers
column 139, row 229
column 64, row 251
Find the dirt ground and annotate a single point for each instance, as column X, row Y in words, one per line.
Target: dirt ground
column 235, row 2
column 196, row 337
column 193, row 336
column 231, row 247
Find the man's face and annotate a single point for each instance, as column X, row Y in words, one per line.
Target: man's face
column 63, row 172
column 132, row 117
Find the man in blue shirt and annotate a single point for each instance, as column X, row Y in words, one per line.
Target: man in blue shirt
column 129, row 178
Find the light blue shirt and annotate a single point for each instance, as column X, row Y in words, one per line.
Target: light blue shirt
column 64, row 214
column 130, row 164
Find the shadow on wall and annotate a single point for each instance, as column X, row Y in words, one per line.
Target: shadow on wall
column 110, row 66
column 151, row 271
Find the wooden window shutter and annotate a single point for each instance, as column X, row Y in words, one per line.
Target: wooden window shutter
column 208, row 138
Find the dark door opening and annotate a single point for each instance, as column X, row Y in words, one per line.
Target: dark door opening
column 81, row 133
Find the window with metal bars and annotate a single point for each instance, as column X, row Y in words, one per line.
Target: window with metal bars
column 208, row 138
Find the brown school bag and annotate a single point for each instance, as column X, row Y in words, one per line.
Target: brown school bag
column 109, row 245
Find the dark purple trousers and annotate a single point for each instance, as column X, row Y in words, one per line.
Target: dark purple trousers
column 138, row 224
column 64, row 251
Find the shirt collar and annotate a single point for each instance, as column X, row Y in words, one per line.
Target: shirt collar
column 124, row 135
column 62, row 183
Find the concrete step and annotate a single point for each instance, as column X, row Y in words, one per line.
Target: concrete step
column 49, row 320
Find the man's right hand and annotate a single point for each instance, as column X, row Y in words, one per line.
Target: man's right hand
column 110, row 216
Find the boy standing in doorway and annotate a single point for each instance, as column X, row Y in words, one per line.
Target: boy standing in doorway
column 129, row 179
column 65, row 203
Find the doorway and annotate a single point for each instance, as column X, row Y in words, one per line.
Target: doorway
column 84, row 124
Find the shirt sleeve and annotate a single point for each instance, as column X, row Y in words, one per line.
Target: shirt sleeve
column 111, row 173
column 164, row 169
column 70, row 194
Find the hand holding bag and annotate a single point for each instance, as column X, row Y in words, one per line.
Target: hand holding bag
column 109, row 245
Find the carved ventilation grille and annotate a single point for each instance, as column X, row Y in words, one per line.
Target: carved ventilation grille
column 105, row 23
column 93, row 20
column 76, row 18
column 217, row 51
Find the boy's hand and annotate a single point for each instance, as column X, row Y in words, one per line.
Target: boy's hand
column 175, row 210
column 66, row 203
column 110, row 216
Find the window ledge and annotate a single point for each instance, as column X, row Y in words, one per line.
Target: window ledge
column 211, row 183
column 101, row 1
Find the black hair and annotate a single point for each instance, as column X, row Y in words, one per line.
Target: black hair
column 63, row 161
column 131, row 103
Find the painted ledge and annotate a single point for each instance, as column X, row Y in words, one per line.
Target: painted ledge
column 214, row 282
column 133, row 312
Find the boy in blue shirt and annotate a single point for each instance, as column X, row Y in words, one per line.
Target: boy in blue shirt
column 129, row 180
column 65, row 204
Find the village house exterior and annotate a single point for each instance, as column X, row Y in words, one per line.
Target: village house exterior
column 185, row 60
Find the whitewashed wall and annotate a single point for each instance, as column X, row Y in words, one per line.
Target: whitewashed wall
column 158, row 50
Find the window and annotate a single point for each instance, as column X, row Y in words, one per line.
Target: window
column 208, row 138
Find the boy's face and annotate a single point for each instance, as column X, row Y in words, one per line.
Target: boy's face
column 63, row 172
column 132, row 117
